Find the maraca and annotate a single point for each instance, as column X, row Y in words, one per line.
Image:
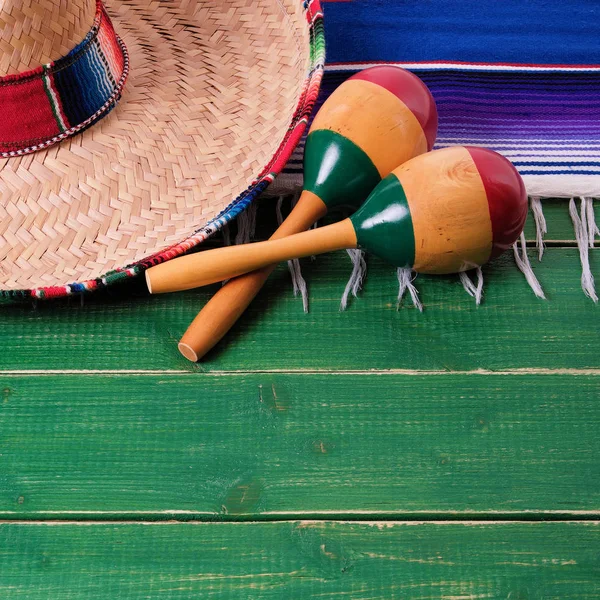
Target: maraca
column 442, row 212
column 373, row 122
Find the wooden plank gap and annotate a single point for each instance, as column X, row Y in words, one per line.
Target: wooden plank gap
column 244, row 373
column 365, row 517
column 308, row 522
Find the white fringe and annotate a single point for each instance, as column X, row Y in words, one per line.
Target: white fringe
column 473, row 290
column 246, row 223
column 298, row 282
column 583, row 227
column 359, row 270
column 591, row 221
column 524, row 265
column 540, row 225
column 405, row 279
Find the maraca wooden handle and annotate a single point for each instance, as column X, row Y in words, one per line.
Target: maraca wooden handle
column 216, row 265
column 229, row 303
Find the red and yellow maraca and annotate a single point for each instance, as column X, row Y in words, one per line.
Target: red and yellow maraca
column 376, row 120
column 442, row 212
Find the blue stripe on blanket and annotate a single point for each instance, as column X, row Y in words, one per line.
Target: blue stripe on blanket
column 546, row 120
column 493, row 31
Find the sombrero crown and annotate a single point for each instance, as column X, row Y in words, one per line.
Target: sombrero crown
column 217, row 95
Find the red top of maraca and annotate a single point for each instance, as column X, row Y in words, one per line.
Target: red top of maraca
column 411, row 90
column 507, row 199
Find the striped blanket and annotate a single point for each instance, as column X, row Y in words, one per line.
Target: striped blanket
column 511, row 75
column 516, row 76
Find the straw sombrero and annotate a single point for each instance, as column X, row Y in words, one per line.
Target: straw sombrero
column 132, row 131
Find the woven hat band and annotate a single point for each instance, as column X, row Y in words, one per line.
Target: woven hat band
column 45, row 105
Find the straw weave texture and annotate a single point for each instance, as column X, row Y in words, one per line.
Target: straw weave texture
column 213, row 88
column 35, row 32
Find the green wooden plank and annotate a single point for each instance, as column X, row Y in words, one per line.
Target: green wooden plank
column 267, row 445
column 511, row 329
column 300, row 560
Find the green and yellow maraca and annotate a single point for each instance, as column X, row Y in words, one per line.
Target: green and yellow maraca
column 442, row 212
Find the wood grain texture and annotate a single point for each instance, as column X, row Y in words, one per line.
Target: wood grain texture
column 449, row 211
column 270, row 445
column 371, row 117
column 511, row 329
column 300, row 560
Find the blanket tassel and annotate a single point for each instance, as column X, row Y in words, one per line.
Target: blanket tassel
column 298, row 282
column 405, row 281
column 585, row 231
column 524, row 265
column 476, row 291
column 540, row 225
column 593, row 230
column 359, row 271
column 246, row 223
column 246, row 229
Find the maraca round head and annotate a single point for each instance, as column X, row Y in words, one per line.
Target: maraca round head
column 446, row 211
column 409, row 89
column 506, row 195
column 376, row 120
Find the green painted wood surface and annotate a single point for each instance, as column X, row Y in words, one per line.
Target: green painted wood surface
column 511, row 329
column 275, row 426
column 267, row 445
column 249, row 561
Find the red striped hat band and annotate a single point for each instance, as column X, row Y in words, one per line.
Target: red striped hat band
column 54, row 101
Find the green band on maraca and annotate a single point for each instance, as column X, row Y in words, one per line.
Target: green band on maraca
column 337, row 170
column 384, row 226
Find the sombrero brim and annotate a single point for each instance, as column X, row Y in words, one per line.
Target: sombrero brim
column 218, row 96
